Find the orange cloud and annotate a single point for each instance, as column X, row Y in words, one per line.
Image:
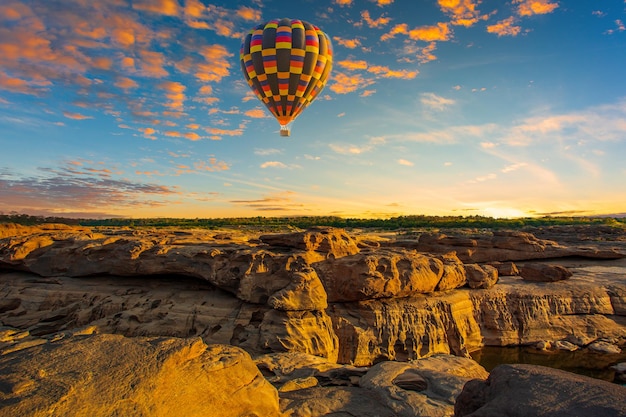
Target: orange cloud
column 343, row 2
column 257, row 113
column 344, row 84
column 175, row 93
column 438, row 32
column 462, row 12
column 148, row 132
column 211, row 165
column 348, row 43
column 164, row 7
column 217, row 64
column 426, row 53
column 194, row 8
column 381, row 3
column 386, row 72
column 505, row 27
column 401, row 28
column 224, row 132
column 125, row 83
column 76, row 116
column 248, row 13
column 373, row 23
column 151, row 64
column 533, row 7
column 352, row 65
column 18, row 85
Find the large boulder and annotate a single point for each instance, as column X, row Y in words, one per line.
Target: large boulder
column 481, row 276
column 105, row 375
column 531, row 390
column 325, row 241
column 426, row 387
column 386, row 273
column 540, row 272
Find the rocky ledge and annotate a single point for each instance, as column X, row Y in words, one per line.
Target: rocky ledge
column 351, row 300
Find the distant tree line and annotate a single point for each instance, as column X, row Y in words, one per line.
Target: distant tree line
column 303, row 222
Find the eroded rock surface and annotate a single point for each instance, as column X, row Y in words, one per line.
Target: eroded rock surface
column 319, row 307
column 105, row 375
column 354, row 299
column 503, row 245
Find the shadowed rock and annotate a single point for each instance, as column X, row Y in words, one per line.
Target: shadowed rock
column 538, row 272
column 530, row 390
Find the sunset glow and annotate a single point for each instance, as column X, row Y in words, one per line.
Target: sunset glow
column 440, row 107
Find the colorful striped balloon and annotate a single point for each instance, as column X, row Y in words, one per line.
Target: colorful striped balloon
column 286, row 63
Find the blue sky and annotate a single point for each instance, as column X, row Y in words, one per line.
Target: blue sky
column 439, row 107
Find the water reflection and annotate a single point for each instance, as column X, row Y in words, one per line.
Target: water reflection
column 583, row 362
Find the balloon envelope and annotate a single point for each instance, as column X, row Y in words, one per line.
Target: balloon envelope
column 286, row 63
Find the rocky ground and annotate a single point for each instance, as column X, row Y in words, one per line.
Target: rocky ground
column 336, row 322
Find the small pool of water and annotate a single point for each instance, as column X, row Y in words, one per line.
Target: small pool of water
column 583, row 362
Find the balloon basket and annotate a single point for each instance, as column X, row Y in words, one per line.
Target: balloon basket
column 285, row 131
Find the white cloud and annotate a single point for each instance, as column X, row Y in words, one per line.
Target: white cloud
column 436, row 102
column 350, row 149
column 268, row 151
column 405, row 162
column 273, row 164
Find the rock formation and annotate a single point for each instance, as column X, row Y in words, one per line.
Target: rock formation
column 105, row 375
column 315, row 308
column 503, row 245
column 527, row 390
column 354, row 299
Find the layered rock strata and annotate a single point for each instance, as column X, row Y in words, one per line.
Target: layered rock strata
column 355, row 299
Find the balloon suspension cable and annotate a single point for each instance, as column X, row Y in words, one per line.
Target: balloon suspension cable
column 285, row 130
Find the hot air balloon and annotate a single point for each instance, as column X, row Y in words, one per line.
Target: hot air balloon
column 286, row 63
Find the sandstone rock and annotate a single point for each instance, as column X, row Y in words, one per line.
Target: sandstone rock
column 505, row 268
column 388, row 273
column 605, row 347
column 515, row 312
column 299, row 331
column 280, row 368
column 538, row 272
column 333, row 401
column 544, row 345
column 503, row 246
column 390, row 389
column 105, row 375
column 527, row 390
column 14, row 229
column 330, row 242
column 481, row 277
column 420, row 388
column 565, row 345
column 453, row 275
column 298, row 384
column 404, row 329
column 304, row 292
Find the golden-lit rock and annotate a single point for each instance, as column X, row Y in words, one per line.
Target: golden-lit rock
column 327, row 241
column 104, row 375
column 386, row 273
